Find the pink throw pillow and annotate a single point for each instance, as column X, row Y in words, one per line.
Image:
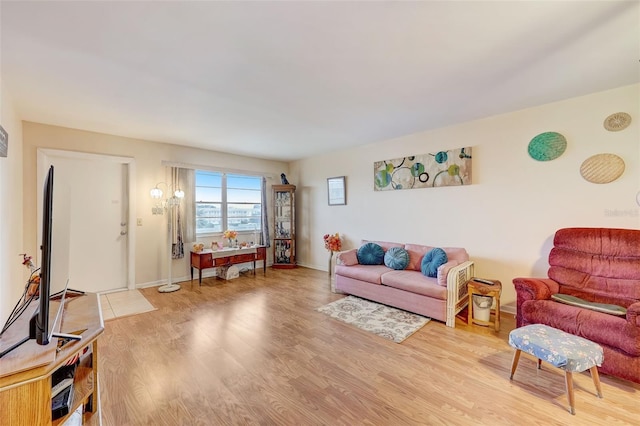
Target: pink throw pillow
column 349, row 257
column 416, row 253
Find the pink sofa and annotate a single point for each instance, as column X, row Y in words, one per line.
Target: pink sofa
column 440, row 298
column 599, row 265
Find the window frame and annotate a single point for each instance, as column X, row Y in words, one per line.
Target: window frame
column 224, row 203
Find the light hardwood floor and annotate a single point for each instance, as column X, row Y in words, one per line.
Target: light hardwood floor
column 254, row 351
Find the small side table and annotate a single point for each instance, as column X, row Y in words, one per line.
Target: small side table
column 492, row 290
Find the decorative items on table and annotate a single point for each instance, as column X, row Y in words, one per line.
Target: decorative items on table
column 230, row 235
column 198, row 247
column 332, row 243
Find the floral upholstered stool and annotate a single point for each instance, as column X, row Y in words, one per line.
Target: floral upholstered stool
column 563, row 350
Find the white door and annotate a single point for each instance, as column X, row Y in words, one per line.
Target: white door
column 95, row 189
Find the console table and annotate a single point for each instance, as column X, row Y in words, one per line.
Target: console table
column 228, row 256
column 25, row 372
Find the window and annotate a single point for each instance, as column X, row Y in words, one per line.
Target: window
column 227, row 201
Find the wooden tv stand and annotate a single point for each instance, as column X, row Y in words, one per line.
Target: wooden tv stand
column 25, row 372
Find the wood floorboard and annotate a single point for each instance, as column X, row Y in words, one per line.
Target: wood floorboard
column 254, row 351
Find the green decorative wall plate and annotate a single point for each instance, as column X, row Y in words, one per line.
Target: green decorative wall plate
column 547, row 146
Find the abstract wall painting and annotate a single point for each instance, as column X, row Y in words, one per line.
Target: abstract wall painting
column 440, row 168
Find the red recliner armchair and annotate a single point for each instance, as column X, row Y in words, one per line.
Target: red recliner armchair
column 599, row 266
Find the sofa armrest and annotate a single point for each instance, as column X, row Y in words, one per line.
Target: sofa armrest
column 347, row 257
column 443, row 271
column 457, row 279
column 535, row 288
column 532, row 289
column 633, row 314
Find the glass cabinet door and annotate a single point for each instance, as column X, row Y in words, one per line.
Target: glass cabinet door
column 284, row 226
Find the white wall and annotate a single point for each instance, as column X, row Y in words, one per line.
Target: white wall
column 507, row 217
column 151, row 244
column 13, row 275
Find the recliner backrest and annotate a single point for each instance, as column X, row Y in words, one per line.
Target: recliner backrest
column 604, row 261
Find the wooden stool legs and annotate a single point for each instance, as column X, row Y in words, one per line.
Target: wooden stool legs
column 596, row 380
column 568, row 378
column 514, row 363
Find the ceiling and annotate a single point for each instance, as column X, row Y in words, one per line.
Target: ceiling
column 289, row 80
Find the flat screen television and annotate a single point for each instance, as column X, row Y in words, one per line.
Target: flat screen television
column 41, row 328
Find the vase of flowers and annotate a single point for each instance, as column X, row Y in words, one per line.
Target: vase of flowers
column 230, row 235
column 332, row 242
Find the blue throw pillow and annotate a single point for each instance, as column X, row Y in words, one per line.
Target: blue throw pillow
column 432, row 261
column 396, row 258
column 370, row 254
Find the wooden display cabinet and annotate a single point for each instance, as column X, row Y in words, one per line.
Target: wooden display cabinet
column 25, row 372
column 284, row 231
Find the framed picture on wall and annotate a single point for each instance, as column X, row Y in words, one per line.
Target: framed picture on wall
column 4, row 142
column 336, row 191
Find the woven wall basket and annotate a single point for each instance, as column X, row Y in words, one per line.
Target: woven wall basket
column 547, row 146
column 602, row 168
column 617, row 121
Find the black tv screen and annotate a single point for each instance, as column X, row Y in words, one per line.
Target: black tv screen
column 42, row 331
column 41, row 328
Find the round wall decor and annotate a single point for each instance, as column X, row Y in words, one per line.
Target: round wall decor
column 547, row 146
column 617, row 121
column 602, row 168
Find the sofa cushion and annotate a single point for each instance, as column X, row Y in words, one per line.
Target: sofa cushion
column 598, row 307
column 456, row 253
column 370, row 254
column 386, row 245
column 432, row 260
column 414, row 282
column 396, row 258
column 416, row 253
column 349, row 257
column 368, row 273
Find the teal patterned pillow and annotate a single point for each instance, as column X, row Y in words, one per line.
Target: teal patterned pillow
column 396, row 258
column 370, row 254
column 432, row 261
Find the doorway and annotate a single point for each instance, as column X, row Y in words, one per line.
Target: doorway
column 93, row 234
